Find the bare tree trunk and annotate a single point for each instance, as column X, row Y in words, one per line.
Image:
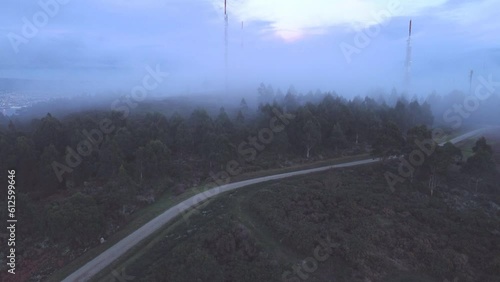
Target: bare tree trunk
column 477, row 182
column 430, row 184
column 140, row 173
column 433, row 183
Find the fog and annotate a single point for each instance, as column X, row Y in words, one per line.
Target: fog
column 101, row 47
column 362, row 130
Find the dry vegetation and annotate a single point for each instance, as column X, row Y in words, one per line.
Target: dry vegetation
column 259, row 233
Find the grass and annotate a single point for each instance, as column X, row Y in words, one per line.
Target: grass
column 238, row 201
column 267, row 237
column 138, row 219
column 467, row 145
column 145, row 246
column 328, row 162
column 166, row 201
column 238, row 204
column 135, row 253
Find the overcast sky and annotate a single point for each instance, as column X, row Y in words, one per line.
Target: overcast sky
column 345, row 46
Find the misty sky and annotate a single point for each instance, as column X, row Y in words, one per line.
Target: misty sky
column 108, row 43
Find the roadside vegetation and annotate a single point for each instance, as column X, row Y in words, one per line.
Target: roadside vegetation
column 261, row 232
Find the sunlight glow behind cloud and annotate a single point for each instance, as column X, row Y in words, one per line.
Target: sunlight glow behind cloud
column 294, row 19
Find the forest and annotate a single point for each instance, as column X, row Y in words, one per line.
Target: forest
column 81, row 175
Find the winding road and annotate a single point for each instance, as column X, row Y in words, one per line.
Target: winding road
column 114, row 252
column 471, row 134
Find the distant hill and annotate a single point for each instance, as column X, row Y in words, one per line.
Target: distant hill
column 11, row 84
column 38, row 85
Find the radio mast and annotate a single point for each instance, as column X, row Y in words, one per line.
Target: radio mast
column 242, row 37
column 408, row 63
column 470, row 81
column 225, row 40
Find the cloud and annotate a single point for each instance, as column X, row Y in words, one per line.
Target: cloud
column 476, row 19
column 294, row 19
column 132, row 4
column 116, row 38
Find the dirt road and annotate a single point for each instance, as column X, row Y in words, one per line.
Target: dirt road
column 107, row 257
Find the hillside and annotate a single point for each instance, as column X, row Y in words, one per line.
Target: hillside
column 261, row 232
